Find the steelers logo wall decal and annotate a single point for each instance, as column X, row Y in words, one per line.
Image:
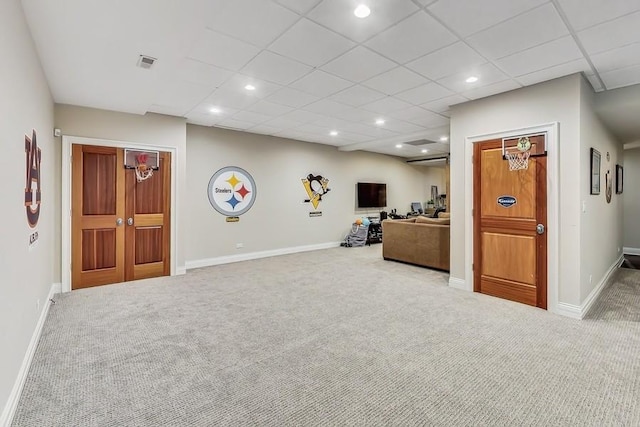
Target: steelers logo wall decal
column 231, row 191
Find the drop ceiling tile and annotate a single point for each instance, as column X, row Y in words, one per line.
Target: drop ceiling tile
column 264, row 129
column 237, row 83
column 613, row 34
column 200, row 119
column 530, row 29
column 442, row 105
column 377, row 132
column 466, row 17
column 414, row 37
column 166, row 110
column 202, row 74
column 311, row 128
column 338, row 15
column 396, row 80
column 447, row 61
column 311, row 44
column 357, row 95
column 331, row 122
column 299, row 6
column 421, row 117
column 587, row 13
column 546, row 55
column 245, row 20
column 235, row 124
column 358, row 65
column 292, row 97
column 269, row 108
column 622, row 77
column 426, row 2
column 487, row 74
column 282, row 123
column 327, row 107
column 399, row 126
column 275, row 68
column 181, row 96
column 614, row 59
column 421, row 94
column 302, row 116
column 554, row 72
column 492, row 89
column 352, row 137
column 358, row 115
column 222, row 51
column 386, row 105
column 206, row 106
column 251, row 117
column 321, row 84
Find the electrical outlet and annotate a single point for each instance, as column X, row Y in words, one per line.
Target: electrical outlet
column 239, row 245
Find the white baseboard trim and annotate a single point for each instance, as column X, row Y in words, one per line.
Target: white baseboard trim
column 454, row 282
column 569, row 310
column 631, row 251
column 256, row 255
column 181, row 270
column 593, row 296
column 14, row 397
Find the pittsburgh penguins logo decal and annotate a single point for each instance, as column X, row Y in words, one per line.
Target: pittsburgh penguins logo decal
column 32, row 192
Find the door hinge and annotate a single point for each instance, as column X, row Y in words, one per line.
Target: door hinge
column 472, row 211
column 473, row 267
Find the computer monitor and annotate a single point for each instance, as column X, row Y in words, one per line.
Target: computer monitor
column 416, row 207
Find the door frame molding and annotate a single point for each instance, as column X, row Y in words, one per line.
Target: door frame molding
column 553, row 221
column 67, row 141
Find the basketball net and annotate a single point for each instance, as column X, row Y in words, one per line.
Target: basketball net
column 518, row 160
column 142, row 170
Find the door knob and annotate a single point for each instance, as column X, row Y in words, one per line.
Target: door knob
column 129, row 221
column 119, row 222
column 540, row 229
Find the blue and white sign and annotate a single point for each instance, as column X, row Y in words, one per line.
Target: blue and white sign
column 507, row 201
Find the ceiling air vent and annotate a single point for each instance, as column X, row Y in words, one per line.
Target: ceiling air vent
column 146, row 61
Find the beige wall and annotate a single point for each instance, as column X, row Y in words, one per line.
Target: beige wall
column 150, row 129
column 554, row 101
column 27, row 275
column 601, row 223
column 631, row 200
column 279, row 219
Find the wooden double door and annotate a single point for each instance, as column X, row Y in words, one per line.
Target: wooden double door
column 120, row 227
column 510, row 217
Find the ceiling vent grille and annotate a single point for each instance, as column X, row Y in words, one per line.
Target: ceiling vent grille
column 146, row 61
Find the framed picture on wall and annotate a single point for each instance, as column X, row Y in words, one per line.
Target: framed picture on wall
column 595, row 171
column 619, row 175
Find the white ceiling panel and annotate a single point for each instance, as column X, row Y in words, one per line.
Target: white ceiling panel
column 357, row 95
column 338, row 15
column 264, row 129
column 181, row 96
column 245, row 20
column 492, row 89
column 327, row 106
column 587, row 13
column 292, row 97
column 275, row 68
column 300, row 6
column 357, row 115
column 302, row 116
column 222, row 51
column 614, row 59
column 612, row 34
column 487, row 74
column 546, row 55
column 553, row 72
column 414, row 37
column 530, row 29
column 235, row 124
column 467, row 17
column 358, row 65
column 397, row 80
column 282, row 123
column 269, row 108
column 622, row 77
column 442, row 105
column 202, row 74
column 421, row 94
column 386, row 105
column 321, row 84
column 200, row 119
column 251, row 117
column 450, row 60
column 311, row 44
column 401, row 127
column 421, row 117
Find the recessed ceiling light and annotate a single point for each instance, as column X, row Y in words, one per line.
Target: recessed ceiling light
column 380, row 122
column 362, row 11
column 472, row 79
column 444, row 138
column 250, row 87
column 424, row 150
column 398, row 145
column 214, row 110
column 333, row 133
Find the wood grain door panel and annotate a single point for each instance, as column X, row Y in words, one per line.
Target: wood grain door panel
column 510, row 257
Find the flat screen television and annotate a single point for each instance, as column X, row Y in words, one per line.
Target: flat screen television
column 372, row 195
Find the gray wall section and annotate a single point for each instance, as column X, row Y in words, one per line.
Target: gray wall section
column 631, row 199
column 27, row 274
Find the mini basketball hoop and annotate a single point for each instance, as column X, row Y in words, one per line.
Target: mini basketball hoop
column 518, row 150
column 144, row 163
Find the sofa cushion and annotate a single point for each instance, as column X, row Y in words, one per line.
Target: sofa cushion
column 444, row 215
column 427, row 220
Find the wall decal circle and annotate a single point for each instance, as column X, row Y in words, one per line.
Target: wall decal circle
column 231, row 191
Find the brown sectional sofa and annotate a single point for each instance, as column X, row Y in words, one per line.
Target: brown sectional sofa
column 421, row 241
